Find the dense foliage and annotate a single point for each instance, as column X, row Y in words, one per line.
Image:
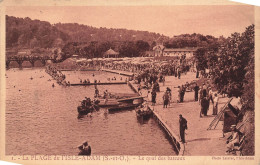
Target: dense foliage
column 231, row 64
column 234, row 59
column 190, row 40
column 32, row 33
column 29, row 33
column 90, row 42
column 83, row 33
column 73, row 38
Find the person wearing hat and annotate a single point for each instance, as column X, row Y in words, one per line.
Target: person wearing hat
column 196, row 92
column 183, row 127
column 153, row 93
column 233, row 139
column 165, row 99
column 85, row 149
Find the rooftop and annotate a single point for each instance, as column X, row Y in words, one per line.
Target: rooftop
column 180, row 49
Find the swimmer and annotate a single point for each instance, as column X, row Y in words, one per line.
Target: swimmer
column 53, row 85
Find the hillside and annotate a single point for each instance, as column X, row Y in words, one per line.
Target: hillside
column 24, row 32
column 84, row 33
column 88, row 41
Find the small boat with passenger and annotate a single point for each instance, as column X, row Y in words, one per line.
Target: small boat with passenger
column 88, row 106
column 143, row 111
column 84, row 149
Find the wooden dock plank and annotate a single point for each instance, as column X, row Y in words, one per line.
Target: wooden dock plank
column 175, row 138
column 105, row 83
column 130, row 98
column 118, row 72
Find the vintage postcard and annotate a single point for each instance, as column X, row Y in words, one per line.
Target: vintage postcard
column 126, row 82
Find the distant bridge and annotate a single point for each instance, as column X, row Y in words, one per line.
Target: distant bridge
column 31, row 59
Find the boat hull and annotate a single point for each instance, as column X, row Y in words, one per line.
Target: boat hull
column 89, row 109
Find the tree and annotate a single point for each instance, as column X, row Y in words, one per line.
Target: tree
column 142, row 46
column 233, row 60
column 200, row 56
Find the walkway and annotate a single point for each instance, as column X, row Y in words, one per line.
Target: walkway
column 199, row 140
column 125, row 73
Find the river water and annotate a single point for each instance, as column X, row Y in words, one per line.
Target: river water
column 41, row 119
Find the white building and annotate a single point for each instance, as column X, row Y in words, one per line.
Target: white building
column 160, row 51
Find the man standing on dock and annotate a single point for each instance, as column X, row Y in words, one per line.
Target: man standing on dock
column 183, row 126
column 165, row 99
column 153, row 97
column 196, row 90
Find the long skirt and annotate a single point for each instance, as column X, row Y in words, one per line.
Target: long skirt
column 204, row 106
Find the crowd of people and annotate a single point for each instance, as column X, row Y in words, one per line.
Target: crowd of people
column 57, row 75
column 112, row 79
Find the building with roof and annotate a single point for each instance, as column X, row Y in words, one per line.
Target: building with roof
column 160, row 51
column 111, row 54
column 188, row 52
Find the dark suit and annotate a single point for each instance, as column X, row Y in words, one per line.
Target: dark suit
column 183, row 126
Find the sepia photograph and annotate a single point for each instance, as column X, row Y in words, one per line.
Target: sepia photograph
column 149, row 82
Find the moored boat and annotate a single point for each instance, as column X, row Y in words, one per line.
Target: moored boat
column 108, row 102
column 144, row 111
column 123, row 106
column 88, row 106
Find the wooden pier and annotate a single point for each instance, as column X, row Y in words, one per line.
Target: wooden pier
column 124, row 73
column 105, row 83
column 174, row 139
column 78, row 69
column 132, row 87
column 130, row 98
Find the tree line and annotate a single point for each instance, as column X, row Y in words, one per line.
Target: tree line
column 90, row 42
column 231, row 64
column 24, row 32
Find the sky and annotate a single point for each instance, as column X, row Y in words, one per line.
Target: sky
column 168, row 20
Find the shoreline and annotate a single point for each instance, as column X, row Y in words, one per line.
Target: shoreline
column 197, row 134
